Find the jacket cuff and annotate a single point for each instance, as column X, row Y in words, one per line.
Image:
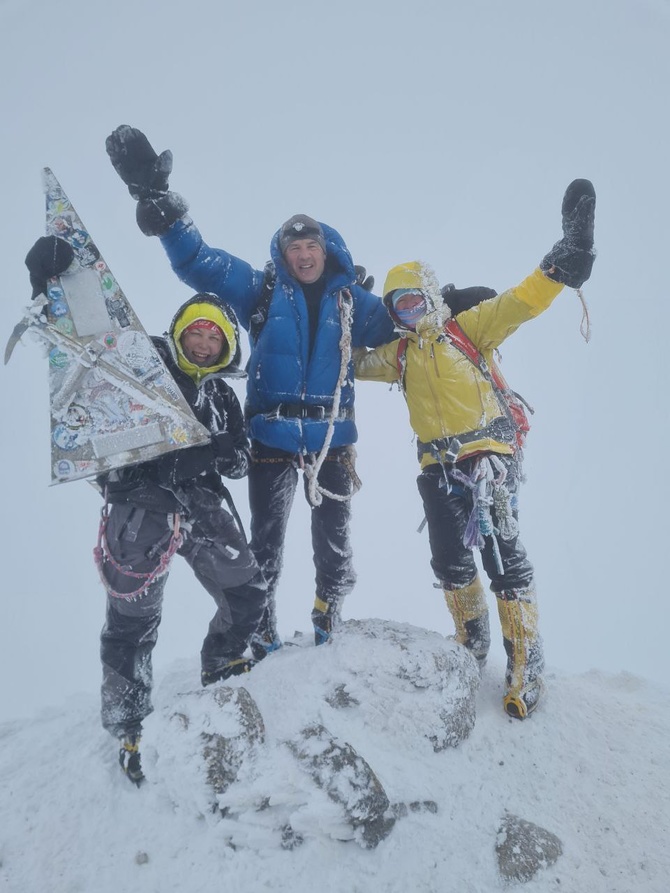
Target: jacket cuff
column 537, row 291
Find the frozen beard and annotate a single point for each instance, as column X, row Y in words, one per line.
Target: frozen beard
column 409, row 305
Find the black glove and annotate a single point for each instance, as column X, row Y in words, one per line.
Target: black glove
column 156, row 215
column 223, row 445
column 143, row 171
column 366, row 282
column 232, row 460
column 460, row 299
column 183, row 465
column 571, row 259
column 49, row 256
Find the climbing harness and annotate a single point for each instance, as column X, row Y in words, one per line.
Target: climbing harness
column 102, row 555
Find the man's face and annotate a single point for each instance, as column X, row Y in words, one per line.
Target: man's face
column 305, row 260
column 201, row 346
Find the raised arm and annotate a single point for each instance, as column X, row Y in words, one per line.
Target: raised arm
column 161, row 212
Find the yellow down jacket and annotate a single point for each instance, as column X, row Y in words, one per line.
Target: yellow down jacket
column 447, row 395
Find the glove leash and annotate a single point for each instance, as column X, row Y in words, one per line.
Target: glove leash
column 585, row 325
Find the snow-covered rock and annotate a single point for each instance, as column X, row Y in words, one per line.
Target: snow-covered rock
column 378, row 685
column 523, row 848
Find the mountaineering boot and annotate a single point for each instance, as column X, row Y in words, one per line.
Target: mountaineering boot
column 471, row 618
column 237, row 667
column 262, row 644
column 525, row 660
column 129, row 758
column 266, row 638
column 324, row 619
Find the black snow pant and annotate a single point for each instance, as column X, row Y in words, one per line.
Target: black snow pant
column 221, row 559
column 447, row 513
column 273, row 479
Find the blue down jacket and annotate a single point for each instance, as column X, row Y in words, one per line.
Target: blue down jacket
column 281, row 369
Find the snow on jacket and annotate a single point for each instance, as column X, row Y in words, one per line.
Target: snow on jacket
column 446, row 393
column 214, row 404
column 281, row 367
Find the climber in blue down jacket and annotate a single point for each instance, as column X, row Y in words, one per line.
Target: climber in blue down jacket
column 304, row 313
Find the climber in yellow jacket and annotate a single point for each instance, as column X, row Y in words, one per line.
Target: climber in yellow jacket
column 469, row 439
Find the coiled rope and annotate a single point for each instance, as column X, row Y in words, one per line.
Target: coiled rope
column 316, row 491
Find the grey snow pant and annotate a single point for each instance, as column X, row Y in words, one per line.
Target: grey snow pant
column 221, row 560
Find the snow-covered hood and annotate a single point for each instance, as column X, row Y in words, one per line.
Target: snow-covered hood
column 417, row 275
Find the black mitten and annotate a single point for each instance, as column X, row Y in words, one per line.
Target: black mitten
column 143, row 171
column 460, row 299
column 571, row 259
column 146, row 175
column 49, row 256
column 183, row 465
column 232, row 459
column 156, row 215
column 362, row 279
column 223, row 445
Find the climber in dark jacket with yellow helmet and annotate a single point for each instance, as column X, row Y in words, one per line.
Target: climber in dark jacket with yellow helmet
column 200, row 350
column 173, row 504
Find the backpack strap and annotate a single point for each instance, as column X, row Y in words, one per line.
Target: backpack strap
column 511, row 403
column 260, row 315
column 460, row 340
column 514, row 425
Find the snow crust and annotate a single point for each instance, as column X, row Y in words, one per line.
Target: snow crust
column 589, row 766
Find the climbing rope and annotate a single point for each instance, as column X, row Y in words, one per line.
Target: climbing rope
column 315, row 491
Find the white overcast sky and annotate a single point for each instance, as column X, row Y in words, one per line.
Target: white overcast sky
column 443, row 131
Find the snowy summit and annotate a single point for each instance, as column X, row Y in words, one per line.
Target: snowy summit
column 377, row 763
